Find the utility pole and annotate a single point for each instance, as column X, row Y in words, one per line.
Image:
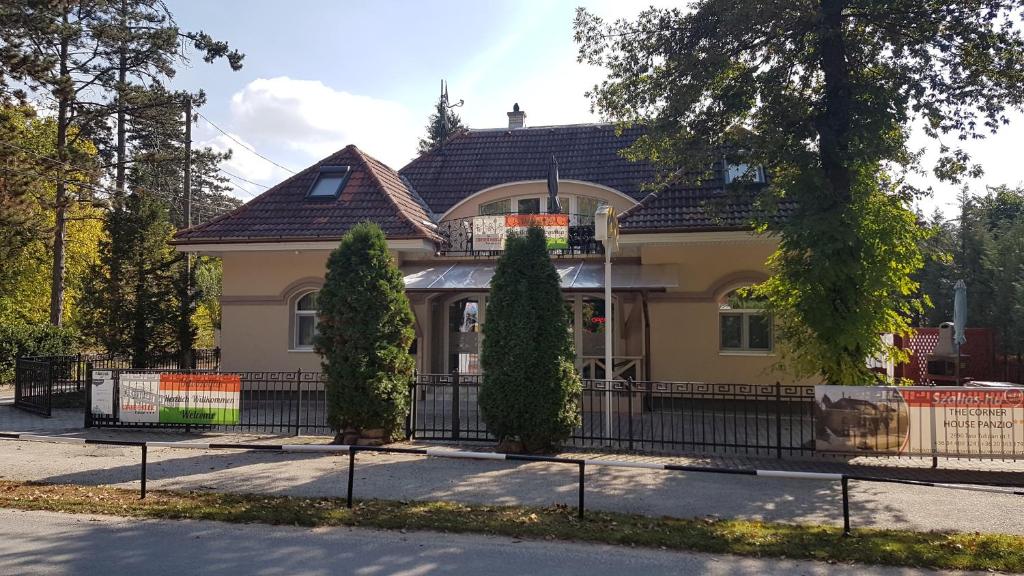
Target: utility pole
column 188, row 163
column 186, row 299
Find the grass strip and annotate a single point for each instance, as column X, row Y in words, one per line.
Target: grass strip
column 941, row 550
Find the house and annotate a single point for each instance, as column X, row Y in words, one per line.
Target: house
column 681, row 253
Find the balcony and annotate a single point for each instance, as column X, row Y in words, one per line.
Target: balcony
column 482, row 236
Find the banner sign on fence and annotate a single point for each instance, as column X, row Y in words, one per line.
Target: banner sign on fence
column 103, row 392
column 178, row 398
column 920, row 420
column 490, row 232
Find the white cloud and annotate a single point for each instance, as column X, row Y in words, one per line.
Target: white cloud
column 243, row 163
column 314, row 119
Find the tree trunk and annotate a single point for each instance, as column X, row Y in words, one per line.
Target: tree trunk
column 60, row 198
column 834, row 123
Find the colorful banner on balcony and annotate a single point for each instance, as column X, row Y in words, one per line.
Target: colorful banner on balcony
column 490, row 232
column 176, row 398
column 920, row 420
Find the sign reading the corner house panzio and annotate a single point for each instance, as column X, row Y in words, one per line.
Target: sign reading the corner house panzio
column 490, row 232
column 920, row 420
column 178, row 398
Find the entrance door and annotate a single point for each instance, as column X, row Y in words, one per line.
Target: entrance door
column 465, row 322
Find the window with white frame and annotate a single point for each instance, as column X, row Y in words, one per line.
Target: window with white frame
column 305, row 321
column 743, row 323
column 581, row 208
column 744, row 172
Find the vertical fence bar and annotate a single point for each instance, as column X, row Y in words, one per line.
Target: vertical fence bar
column 456, row 424
column 351, row 472
column 778, row 420
column 298, row 401
column 142, row 491
column 846, row 506
column 629, row 407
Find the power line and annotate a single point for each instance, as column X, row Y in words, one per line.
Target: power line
column 243, row 179
column 243, row 189
column 250, row 149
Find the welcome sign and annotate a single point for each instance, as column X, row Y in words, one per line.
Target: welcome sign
column 920, row 420
column 490, row 232
column 176, row 398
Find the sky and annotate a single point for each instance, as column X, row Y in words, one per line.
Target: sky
column 319, row 75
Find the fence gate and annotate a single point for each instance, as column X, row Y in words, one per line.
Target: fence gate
column 33, row 386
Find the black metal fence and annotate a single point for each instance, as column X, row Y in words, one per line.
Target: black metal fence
column 46, row 382
column 772, row 420
column 269, row 403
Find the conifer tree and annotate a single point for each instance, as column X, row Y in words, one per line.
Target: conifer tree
column 132, row 297
column 530, row 390
column 365, row 330
column 441, row 126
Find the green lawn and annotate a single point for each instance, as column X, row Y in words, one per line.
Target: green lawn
column 748, row 538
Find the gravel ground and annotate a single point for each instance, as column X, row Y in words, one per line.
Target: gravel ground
column 401, row 477
column 54, row 544
column 398, row 477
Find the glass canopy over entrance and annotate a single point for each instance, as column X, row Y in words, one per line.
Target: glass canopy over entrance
column 574, row 276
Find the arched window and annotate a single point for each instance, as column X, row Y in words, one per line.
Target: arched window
column 305, row 321
column 743, row 324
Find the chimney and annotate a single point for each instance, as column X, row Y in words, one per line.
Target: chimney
column 516, row 118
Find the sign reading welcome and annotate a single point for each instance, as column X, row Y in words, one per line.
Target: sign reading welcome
column 920, row 420
column 490, row 232
column 175, row 398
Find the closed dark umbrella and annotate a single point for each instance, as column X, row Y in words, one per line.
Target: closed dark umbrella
column 553, row 207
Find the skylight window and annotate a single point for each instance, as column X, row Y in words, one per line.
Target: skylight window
column 329, row 182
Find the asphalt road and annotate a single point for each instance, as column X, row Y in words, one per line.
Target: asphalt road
column 54, row 544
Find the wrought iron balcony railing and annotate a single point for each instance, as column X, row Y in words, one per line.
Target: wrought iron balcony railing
column 458, row 237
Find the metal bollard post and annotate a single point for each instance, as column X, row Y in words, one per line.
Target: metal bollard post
column 583, row 472
column 846, row 506
column 142, row 495
column 351, row 472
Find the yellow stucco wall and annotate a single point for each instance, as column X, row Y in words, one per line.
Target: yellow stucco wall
column 684, row 320
column 260, row 287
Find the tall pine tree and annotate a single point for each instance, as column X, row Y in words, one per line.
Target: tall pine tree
column 133, row 293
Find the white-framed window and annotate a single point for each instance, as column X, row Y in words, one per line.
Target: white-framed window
column 743, row 324
column 305, row 321
column 744, row 172
column 581, row 208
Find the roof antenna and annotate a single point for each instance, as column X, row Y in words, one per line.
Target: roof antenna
column 443, row 109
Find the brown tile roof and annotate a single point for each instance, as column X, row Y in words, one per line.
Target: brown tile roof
column 373, row 192
column 478, row 159
column 703, row 209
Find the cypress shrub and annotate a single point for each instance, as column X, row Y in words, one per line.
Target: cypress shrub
column 365, row 330
column 530, row 391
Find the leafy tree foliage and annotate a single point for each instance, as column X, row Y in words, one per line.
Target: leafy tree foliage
column 530, row 390
column 27, row 195
column 985, row 248
column 441, row 126
column 133, row 293
column 18, row 340
column 822, row 95
column 83, row 58
column 365, row 330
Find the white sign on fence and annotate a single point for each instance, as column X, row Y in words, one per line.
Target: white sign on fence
column 920, row 420
column 103, row 392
